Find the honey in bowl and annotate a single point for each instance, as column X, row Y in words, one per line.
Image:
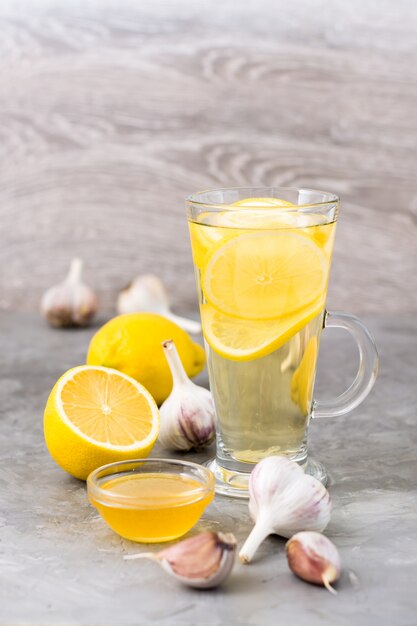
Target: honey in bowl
column 151, row 501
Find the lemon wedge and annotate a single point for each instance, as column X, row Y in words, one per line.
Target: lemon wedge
column 96, row 415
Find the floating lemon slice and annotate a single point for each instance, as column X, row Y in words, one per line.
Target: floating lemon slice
column 215, row 227
column 243, row 340
column 96, row 415
column 212, row 227
column 262, row 202
column 265, row 275
column 205, row 234
column 269, row 215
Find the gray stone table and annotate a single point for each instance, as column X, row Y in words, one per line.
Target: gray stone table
column 60, row 564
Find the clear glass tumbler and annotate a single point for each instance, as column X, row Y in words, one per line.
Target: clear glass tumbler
column 262, row 260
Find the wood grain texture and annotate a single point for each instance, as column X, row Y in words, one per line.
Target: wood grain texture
column 112, row 112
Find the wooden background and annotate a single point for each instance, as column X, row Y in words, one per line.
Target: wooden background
column 112, row 111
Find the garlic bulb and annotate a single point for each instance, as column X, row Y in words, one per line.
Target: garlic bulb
column 147, row 293
column 283, row 500
column 70, row 303
column 314, row 558
column 187, row 415
column 203, row 561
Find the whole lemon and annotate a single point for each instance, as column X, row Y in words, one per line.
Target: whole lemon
column 132, row 343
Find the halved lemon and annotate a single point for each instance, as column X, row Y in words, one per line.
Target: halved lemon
column 265, row 275
column 243, row 340
column 96, row 415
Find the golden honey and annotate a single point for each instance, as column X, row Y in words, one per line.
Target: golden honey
column 151, row 507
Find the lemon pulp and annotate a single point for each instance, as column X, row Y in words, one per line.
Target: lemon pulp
column 96, row 415
column 263, row 275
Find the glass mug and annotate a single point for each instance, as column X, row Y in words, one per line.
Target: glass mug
column 262, row 259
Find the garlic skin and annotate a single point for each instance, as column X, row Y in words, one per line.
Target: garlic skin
column 70, row 303
column 147, row 293
column 187, row 415
column 283, row 500
column 203, row 561
column 314, row 558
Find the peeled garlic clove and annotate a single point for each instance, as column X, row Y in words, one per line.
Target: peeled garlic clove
column 147, row 293
column 203, row 561
column 314, row 558
column 187, row 415
column 283, row 500
column 70, row 303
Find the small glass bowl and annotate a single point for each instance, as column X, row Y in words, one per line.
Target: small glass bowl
column 151, row 500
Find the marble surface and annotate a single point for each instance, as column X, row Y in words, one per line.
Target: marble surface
column 60, row 564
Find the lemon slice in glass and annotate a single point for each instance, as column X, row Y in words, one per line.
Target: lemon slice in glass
column 265, row 275
column 211, row 227
column 262, row 202
column 243, row 340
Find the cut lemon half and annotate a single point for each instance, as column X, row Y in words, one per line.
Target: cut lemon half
column 97, row 415
column 244, row 340
column 265, row 275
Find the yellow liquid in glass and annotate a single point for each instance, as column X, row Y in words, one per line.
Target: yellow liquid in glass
column 262, row 292
column 162, row 507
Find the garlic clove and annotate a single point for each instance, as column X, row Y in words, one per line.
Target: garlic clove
column 203, row 561
column 187, row 415
column 70, row 303
column 144, row 293
column 283, row 500
column 314, row 558
column 147, row 293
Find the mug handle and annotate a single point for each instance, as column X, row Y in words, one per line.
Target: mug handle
column 367, row 372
